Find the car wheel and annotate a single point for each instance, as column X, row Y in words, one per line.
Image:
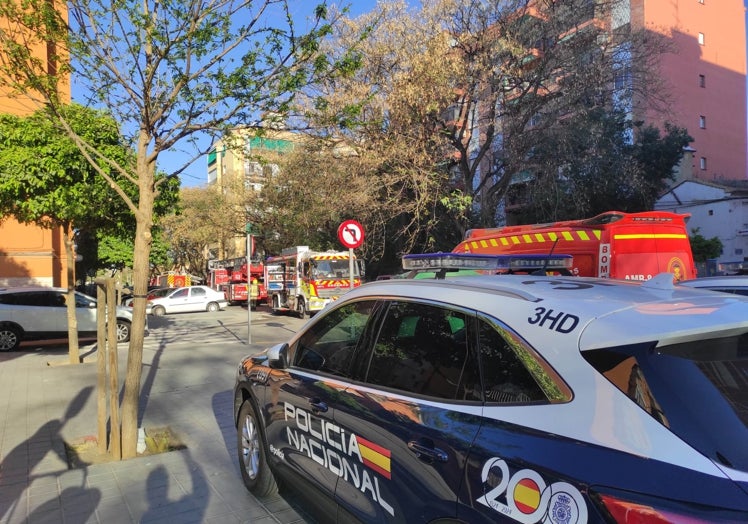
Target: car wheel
column 123, row 330
column 301, row 308
column 158, row 311
column 252, row 453
column 10, row 338
column 212, row 306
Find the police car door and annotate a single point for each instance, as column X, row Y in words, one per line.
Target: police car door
column 302, row 432
column 507, row 476
column 412, row 418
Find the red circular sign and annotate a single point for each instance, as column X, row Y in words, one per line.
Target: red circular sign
column 351, row 234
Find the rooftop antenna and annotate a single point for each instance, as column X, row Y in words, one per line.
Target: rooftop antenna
column 542, row 272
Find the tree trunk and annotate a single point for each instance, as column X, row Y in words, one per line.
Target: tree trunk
column 73, row 350
column 141, row 271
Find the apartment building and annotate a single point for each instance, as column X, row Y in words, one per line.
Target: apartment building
column 706, row 76
column 244, row 161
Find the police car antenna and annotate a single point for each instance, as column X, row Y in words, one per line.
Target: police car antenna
column 543, row 270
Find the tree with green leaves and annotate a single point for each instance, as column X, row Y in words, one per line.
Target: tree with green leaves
column 704, row 248
column 598, row 161
column 171, row 73
column 46, row 181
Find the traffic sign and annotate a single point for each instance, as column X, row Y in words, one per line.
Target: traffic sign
column 351, row 234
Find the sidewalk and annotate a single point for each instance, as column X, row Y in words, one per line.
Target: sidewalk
column 185, row 387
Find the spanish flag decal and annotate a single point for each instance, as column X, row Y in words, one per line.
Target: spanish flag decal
column 375, row 457
column 527, row 496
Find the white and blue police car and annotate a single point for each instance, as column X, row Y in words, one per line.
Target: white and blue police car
column 518, row 398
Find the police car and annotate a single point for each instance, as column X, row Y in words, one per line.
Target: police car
column 514, row 398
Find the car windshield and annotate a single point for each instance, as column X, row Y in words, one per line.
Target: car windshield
column 699, row 390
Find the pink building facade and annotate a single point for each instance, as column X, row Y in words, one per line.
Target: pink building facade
column 706, row 77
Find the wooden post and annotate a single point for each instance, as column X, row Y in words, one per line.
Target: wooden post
column 115, row 436
column 101, row 360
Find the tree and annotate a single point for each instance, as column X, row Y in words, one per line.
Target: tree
column 454, row 99
column 169, row 72
column 592, row 166
column 704, row 249
column 47, row 181
column 379, row 154
column 206, row 217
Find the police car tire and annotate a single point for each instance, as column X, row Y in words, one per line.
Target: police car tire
column 263, row 484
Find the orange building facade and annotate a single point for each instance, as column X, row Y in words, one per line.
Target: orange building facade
column 30, row 255
column 706, row 76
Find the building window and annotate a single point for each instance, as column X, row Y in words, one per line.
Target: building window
column 701, row 38
column 702, row 163
column 702, row 122
column 702, row 80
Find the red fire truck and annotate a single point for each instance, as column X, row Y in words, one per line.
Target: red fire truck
column 231, row 277
column 171, row 279
column 630, row 246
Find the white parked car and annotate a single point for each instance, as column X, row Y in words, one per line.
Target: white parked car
column 187, row 299
column 38, row 313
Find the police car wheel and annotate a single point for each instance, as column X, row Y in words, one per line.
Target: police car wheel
column 251, row 448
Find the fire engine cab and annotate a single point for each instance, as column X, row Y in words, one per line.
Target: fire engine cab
column 305, row 281
column 629, row 246
column 231, row 277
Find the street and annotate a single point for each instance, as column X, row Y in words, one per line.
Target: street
column 227, row 326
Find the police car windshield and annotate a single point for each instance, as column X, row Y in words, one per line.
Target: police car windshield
column 699, row 390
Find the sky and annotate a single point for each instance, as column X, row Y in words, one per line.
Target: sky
column 197, row 173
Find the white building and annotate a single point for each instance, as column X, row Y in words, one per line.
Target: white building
column 716, row 211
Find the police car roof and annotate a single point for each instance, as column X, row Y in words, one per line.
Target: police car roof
column 598, row 312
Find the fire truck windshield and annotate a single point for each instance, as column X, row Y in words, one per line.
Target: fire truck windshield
column 333, row 268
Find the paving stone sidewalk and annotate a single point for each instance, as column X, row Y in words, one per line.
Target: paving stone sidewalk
column 45, row 402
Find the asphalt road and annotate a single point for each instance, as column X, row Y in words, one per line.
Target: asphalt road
column 228, row 325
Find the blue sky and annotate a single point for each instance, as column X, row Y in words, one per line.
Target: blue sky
column 197, row 173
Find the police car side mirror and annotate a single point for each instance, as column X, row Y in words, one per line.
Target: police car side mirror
column 278, row 356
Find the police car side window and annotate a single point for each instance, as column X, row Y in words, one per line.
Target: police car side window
column 423, row 349
column 329, row 345
column 506, row 378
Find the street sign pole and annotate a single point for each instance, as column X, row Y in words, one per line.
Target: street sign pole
column 249, row 297
column 350, row 264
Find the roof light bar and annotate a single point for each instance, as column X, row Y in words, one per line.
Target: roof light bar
column 457, row 261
